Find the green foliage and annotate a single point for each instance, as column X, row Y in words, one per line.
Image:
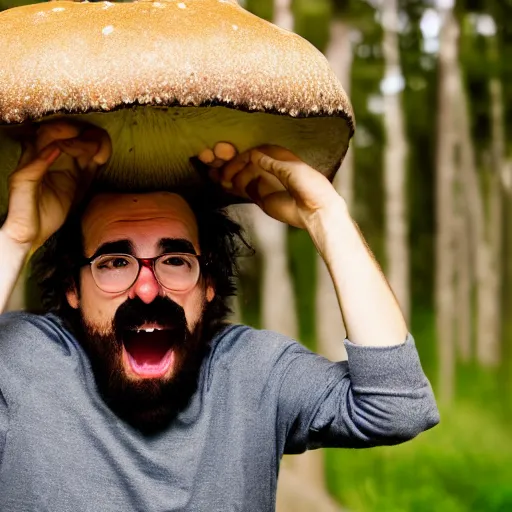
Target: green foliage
column 312, row 19
column 342, row 8
column 249, row 291
column 262, row 8
column 8, row 4
column 464, row 464
column 303, row 267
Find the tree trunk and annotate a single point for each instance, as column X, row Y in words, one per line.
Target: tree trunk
column 487, row 342
column 298, row 495
column 283, row 16
column 278, row 312
column 330, row 330
column 340, row 57
column 395, row 162
column 506, row 361
column 464, row 278
column 445, row 168
column 495, row 223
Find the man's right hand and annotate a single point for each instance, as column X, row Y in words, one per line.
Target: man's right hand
column 56, row 165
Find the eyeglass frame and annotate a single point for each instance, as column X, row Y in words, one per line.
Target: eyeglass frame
column 147, row 263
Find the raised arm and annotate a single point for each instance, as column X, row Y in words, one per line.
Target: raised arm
column 59, row 161
column 381, row 395
column 292, row 192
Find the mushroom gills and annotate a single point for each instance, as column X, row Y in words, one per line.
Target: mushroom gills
column 152, row 146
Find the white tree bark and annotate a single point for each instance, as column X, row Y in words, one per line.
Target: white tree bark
column 445, row 168
column 297, row 495
column 464, row 278
column 340, row 56
column 330, row 330
column 283, row 16
column 278, row 308
column 488, row 317
column 395, row 162
column 495, row 223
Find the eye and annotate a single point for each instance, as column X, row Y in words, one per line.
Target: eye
column 113, row 262
column 173, row 260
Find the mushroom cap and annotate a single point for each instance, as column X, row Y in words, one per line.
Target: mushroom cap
column 167, row 79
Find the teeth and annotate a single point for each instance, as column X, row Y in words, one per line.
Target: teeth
column 148, row 329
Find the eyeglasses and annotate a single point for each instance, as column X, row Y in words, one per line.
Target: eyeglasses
column 116, row 273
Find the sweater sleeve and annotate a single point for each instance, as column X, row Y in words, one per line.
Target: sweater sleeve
column 380, row 396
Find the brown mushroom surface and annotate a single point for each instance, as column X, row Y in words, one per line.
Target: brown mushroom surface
column 167, row 79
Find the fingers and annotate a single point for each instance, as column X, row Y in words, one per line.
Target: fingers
column 79, row 147
column 82, row 151
column 91, row 147
column 86, row 145
column 243, row 170
column 54, row 131
column 224, row 151
column 281, row 169
column 102, row 138
column 207, row 156
column 232, row 169
column 24, row 187
column 218, row 156
column 37, row 167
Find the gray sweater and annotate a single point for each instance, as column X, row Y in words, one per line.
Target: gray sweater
column 260, row 395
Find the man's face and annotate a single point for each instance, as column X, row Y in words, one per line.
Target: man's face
column 144, row 342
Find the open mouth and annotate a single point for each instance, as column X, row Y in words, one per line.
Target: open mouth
column 148, row 351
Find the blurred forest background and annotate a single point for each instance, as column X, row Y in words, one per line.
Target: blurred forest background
column 429, row 180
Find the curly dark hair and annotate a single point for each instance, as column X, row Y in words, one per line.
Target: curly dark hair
column 55, row 267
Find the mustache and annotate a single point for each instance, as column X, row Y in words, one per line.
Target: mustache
column 162, row 311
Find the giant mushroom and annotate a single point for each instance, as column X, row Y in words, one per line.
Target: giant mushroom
column 167, row 79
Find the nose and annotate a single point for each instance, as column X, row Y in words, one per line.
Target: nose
column 146, row 288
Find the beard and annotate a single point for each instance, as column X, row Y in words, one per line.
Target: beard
column 147, row 404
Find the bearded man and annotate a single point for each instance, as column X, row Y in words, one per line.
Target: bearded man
column 130, row 391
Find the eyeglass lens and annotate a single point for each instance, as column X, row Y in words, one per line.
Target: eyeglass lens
column 114, row 273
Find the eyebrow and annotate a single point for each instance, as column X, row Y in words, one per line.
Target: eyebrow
column 126, row 247
column 117, row 247
column 176, row 245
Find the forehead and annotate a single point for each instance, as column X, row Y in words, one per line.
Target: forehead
column 142, row 218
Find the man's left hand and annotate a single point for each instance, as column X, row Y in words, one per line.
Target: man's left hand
column 282, row 185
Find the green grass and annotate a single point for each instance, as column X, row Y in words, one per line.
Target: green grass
column 463, row 464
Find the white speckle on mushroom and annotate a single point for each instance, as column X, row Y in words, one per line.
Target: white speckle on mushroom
column 27, row 98
column 181, row 5
column 158, row 4
column 58, row 9
column 108, row 30
column 41, row 13
column 107, row 5
column 235, row 27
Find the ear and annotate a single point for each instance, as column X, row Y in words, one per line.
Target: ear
column 72, row 297
column 210, row 293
